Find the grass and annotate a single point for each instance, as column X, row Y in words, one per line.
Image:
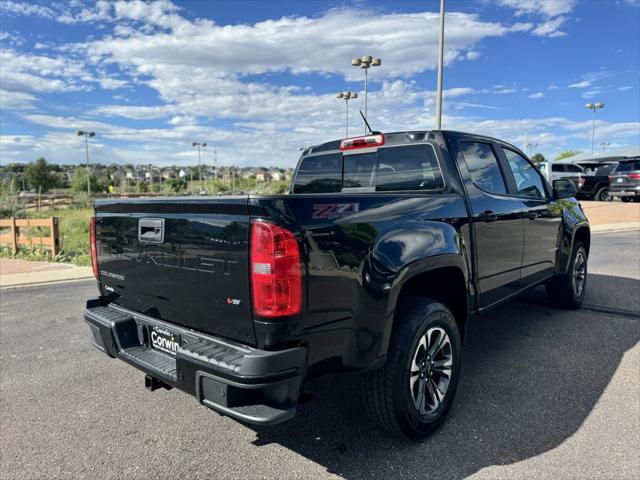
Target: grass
column 73, row 230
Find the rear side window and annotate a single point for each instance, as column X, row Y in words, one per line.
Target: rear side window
column 408, row 168
column 483, row 166
column 319, row 174
column 574, row 168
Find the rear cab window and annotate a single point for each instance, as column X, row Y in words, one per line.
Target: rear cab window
column 319, row 174
column 390, row 169
column 628, row 166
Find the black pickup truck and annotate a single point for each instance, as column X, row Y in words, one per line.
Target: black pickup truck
column 385, row 248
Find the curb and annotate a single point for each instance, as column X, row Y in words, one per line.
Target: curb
column 615, row 227
column 45, row 283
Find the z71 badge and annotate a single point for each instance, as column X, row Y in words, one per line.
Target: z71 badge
column 334, row 210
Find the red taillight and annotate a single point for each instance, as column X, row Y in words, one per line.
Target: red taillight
column 634, row 176
column 362, row 142
column 276, row 274
column 93, row 248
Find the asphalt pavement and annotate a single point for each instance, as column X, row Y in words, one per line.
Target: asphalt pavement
column 544, row 393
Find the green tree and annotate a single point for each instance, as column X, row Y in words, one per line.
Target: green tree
column 567, row 154
column 538, row 158
column 177, row 184
column 79, row 181
column 38, row 175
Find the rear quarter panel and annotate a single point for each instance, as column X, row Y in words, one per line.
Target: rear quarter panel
column 359, row 250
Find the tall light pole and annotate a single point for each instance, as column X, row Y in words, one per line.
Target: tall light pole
column 365, row 63
column 87, row 135
column 604, row 145
column 440, row 69
column 199, row 145
column 593, row 107
column 346, row 96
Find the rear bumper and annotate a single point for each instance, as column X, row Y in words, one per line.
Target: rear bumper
column 248, row 384
column 625, row 192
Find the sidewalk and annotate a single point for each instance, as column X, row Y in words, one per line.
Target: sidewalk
column 14, row 272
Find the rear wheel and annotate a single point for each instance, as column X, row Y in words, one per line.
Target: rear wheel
column 411, row 394
column 602, row 195
column 568, row 290
column 625, row 199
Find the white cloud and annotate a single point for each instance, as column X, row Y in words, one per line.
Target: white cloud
column 581, row 84
column 472, row 55
column 537, row 95
column 297, row 44
column 504, row 91
column 550, row 28
column 626, row 87
column 548, row 8
column 554, row 13
column 16, row 100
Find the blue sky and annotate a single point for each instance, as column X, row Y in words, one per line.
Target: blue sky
column 258, row 79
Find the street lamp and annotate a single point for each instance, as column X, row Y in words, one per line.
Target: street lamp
column 87, row 135
column 199, row 145
column 365, row 63
column 593, row 107
column 604, row 145
column 346, row 96
column 440, row 69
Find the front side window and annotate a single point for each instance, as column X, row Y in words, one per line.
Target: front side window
column 319, row 174
column 483, row 166
column 413, row 167
column 528, row 181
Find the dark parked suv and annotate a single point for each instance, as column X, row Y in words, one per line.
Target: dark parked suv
column 624, row 180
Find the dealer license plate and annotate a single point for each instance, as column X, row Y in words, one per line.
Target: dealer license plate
column 164, row 340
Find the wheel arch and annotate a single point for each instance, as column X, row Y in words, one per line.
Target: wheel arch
column 443, row 278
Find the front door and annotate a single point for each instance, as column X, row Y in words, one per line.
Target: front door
column 542, row 217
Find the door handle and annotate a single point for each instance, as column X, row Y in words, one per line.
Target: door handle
column 488, row 216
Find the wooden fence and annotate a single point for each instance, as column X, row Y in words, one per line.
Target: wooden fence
column 15, row 237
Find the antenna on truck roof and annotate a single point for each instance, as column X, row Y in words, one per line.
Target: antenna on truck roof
column 365, row 122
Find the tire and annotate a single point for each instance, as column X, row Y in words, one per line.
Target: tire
column 625, row 199
column 602, row 195
column 568, row 290
column 392, row 397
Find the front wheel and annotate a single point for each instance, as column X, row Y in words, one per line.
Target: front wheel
column 568, row 290
column 410, row 395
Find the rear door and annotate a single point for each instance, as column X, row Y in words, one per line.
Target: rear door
column 179, row 260
column 497, row 221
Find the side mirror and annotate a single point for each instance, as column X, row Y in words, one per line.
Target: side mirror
column 564, row 188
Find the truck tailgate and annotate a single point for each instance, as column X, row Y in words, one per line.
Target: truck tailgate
column 180, row 260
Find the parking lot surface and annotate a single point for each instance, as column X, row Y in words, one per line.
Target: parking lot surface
column 544, row 393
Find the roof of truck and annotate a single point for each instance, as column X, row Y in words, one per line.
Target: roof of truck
column 397, row 138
